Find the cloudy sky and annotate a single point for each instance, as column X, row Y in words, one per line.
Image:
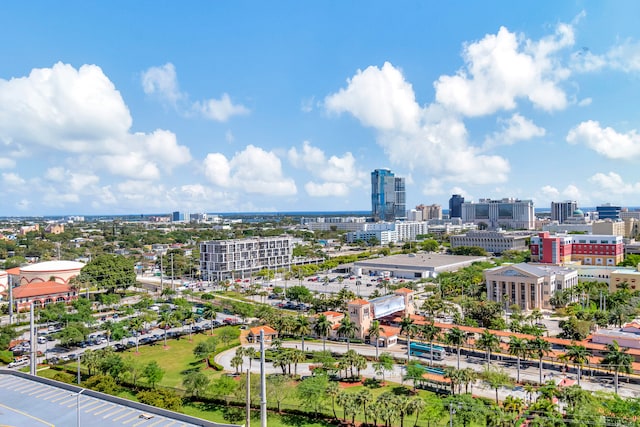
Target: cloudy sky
column 144, row 107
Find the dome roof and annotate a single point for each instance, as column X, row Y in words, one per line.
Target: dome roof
column 52, row 266
column 578, row 212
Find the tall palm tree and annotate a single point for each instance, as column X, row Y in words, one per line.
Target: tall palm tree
column 374, row 332
column 409, row 328
column 363, row 398
column 347, row 329
column 322, row 328
column 209, row 312
column 333, row 390
column 430, row 332
column 136, row 323
column 167, row 321
column 489, row 343
column 518, row 348
column 539, row 348
column 302, row 328
column 617, row 359
column 456, row 337
column 578, row 355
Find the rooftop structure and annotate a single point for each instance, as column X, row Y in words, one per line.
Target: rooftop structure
column 414, row 266
column 507, row 213
column 492, row 241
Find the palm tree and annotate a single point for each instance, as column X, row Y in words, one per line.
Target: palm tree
column 489, row 343
column 417, row 405
column 513, row 404
column 409, row 328
column 456, row 337
column 302, row 328
column 617, row 359
column 333, row 390
column 322, row 328
column 578, row 355
column 517, row 348
column 347, row 329
column 374, row 332
column 539, row 348
column 430, row 332
column 455, row 377
column 363, row 398
column 209, row 312
column 136, row 323
column 167, row 320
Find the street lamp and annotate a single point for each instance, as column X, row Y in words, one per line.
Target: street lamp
column 78, row 407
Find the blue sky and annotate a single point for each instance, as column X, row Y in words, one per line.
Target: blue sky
column 149, row 107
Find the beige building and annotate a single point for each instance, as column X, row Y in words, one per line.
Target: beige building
column 608, row 227
column 430, row 211
column 492, row 241
column 624, row 275
column 529, row 286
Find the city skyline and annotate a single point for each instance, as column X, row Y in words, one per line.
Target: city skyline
column 283, row 107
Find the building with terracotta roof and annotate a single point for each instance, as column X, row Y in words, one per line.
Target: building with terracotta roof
column 4, row 280
column 269, row 334
column 42, row 294
column 57, row 271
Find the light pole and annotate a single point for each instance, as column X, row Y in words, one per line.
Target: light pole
column 78, row 407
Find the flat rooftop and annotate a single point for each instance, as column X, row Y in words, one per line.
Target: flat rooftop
column 32, row 401
column 428, row 261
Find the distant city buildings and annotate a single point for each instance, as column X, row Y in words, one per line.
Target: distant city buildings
column 237, row 258
column 388, row 196
column 492, row 241
column 455, row 206
column 608, row 211
column 505, row 213
column 561, row 211
column 430, row 212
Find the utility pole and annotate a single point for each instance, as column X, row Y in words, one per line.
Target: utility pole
column 247, row 422
column 263, row 384
column 172, row 286
column 33, row 341
column 161, row 275
column 10, row 300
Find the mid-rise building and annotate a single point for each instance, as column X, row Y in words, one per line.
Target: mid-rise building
column 588, row 249
column 529, row 286
column 388, row 196
column 506, row 213
column 223, row 259
column 491, row 241
column 430, row 212
column 608, row 211
column 609, row 227
column 560, row 211
column 455, row 206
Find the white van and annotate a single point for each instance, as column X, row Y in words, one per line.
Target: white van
column 19, row 361
column 42, row 340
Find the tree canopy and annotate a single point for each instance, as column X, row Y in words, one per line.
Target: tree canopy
column 109, row 272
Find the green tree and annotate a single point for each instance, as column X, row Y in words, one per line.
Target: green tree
column 430, row 332
column 496, row 378
column 312, row 391
column 578, row 355
column 224, row 386
column 161, row 398
column 384, row 363
column 456, row 337
column 332, row 391
column 539, row 348
column 302, row 328
column 109, row 272
column 153, row 373
column 414, row 372
column 518, row 348
column 374, row 331
column 409, row 329
column 195, row 383
column 489, row 343
column 347, row 329
column 618, row 359
column 322, row 328
column 278, row 389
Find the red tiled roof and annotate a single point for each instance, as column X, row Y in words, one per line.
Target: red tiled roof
column 40, row 289
column 332, row 314
column 358, row 301
column 389, row 331
column 403, row 291
column 15, row 271
column 268, row 330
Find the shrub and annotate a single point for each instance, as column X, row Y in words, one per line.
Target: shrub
column 161, row 398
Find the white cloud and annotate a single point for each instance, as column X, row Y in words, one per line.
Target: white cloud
column 326, row 189
column 379, row 98
column 338, row 173
column 613, row 184
column 585, row 102
column 550, row 193
column 624, row 57
column 13, row 181
column 606, row 141
column 79, row 111
column 253, row 170
column 6, row 163
column 228, row 136
column 307, row 104
column 221, row 109
column 429, row 140
column 517, row 128
column 163, row 82
column 503, row 67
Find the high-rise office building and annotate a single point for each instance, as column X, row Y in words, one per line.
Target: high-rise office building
column 505, row 213
column 560, row 211
column 388, row 196
column 430, row 212
column 455, row 206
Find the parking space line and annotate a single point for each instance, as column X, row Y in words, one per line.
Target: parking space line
column 26, row 415
column 75, row 402
column 90, row 403
column 65, row 399
column 120, row 409
column 89, row 411
column 104, row 410
column 137, row 416
column 49, row 390
column 57, row 393
column 123, row 415
column 8, row 381
column 158, row 422
column 22, row 387
column 38, row 389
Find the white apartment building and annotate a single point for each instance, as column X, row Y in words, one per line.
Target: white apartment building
column 506, row 213
column 223, row 259
column 351, row 223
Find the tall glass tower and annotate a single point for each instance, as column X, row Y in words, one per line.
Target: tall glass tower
column 388, row 196
column 455, row 206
